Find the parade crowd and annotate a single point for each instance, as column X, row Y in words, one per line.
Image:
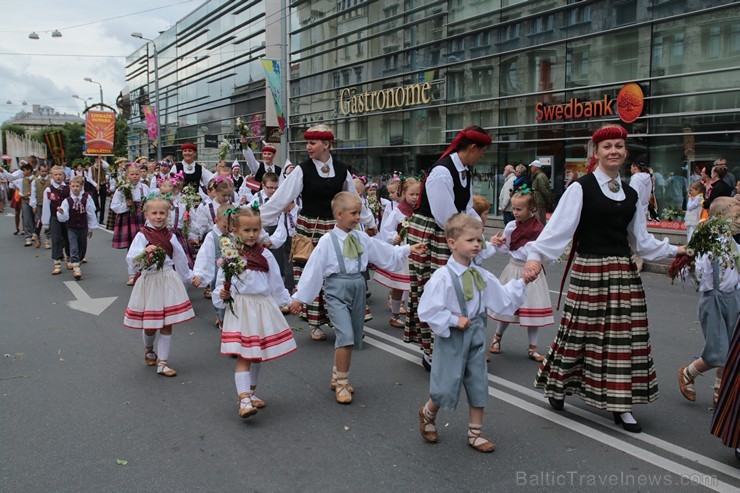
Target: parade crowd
column 307, row 238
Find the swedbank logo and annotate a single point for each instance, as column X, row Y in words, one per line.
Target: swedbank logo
column 629, row 105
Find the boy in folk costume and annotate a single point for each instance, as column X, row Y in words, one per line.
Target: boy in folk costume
column 454, row 305
column 340, row 258
column 38, row 186
column 278, row 231
column 54, row 194
column 78, row 212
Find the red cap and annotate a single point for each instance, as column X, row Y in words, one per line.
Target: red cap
column 269, row 148
column 609, row 133
column 188, row 145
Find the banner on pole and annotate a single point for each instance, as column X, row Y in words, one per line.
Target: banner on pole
column 55, row 144
column 151, row 123
column 272, row 72
column 100, row 128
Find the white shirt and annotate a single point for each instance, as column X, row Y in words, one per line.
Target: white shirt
column 254, row 165
column 180, row 260
column 202, row 221
column 118, row 202
column 92, row 220
column 440, row 308
column 439, row 189
column 254, row 282
column 292, row 187
column 323, row 261
column 693, row 210
column 46, row 206
column 520, row 253
column 504, row 197
column 643, row 185
column 729, row 279
column 389, row 226
column 205, row 261
column 561, row 227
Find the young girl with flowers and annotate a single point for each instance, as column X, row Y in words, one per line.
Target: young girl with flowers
column 251, row 290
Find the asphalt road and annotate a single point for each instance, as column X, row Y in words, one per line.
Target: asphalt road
column 80, row 411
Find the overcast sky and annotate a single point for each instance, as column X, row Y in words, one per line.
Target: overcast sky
column 96, row 49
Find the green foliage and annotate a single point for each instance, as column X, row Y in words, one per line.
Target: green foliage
column 72, row 139
column 121, row 136
column 14, row 128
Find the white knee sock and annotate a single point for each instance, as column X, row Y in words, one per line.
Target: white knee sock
column 405, row 296
column 396, row 306
column 502, row 326
column 628, row 418
column 255, row 371
column 532, row 334
column 242, row 379
column 163, row 346
column 148, row 340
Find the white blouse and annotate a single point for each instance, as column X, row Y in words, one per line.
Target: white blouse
column 179, row 260
column 439, row 188
column 561, row 227
column 254, row 282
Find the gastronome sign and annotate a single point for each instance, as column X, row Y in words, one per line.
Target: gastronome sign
column 352, row 103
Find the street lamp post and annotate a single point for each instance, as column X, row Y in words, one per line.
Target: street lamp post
column 156, row 92
column 88, row 79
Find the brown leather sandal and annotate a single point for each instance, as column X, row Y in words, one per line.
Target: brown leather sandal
column 164, row 370
column 534, row 355
column 477, row 441
column 248, row 408
column 150, row 357
column 686, row 385
column 495, row 344
column 427, row 427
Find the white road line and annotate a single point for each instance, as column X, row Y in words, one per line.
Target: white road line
column 106, row 230
column 564, row 421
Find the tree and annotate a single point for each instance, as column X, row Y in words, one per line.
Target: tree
column 73, row 133
column 11, row 128
column 121, row 136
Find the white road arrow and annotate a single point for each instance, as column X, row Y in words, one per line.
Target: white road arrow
column 83, row 303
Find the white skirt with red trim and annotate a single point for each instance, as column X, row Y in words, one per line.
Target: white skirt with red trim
column 394, row 280
column 158, row 299
column 256, row 330
column 537, row 308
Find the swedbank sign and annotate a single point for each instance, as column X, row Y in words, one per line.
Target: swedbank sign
column 353, row 103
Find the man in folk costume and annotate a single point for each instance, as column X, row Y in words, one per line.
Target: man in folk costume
column 193, row 172
column 317, row 179
column 446, row 190
column 259, row 168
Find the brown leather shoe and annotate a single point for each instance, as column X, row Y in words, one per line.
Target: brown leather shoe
column 257, row 402
column 686, row 385
column 397, row 323
column 317, row 334
column 164, row 370
column 248, row 409
column 343, row 394
column 427, row 427
column 150, row 357
column 479, row 442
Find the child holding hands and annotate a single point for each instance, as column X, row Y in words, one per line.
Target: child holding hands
column 536, row 311
column 340, row 257
column 254, row 330
column 158, row 300
column 78, row 212
column 454, row 304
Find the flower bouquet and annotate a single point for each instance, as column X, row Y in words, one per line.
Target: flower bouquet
column 223, row 150
column 127, row 190
column 145, row 260
column 403, row 232
column 374, row 205
column 712, row 238
column 191, row 198
column 232, row 264
column 241, row 127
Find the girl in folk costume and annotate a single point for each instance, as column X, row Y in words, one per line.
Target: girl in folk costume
column 317, row 179
column 116, row 175
column 170, row 188
column 254, row 330
column 127, row 204
column 602, row 349
column 38, row 186
column 394, row 230
column 158, row 300
column 446, row 190
column 220, row 191
column 536, row 311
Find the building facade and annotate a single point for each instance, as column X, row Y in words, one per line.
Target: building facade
column 397, row 79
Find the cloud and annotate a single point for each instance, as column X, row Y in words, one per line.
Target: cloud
column 50, row 70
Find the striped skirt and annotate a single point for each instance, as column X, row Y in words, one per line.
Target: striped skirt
column 158, row 300
column 726, row 420
column 256, row 331
column 127, row 226
column 602, row 349
column 313, row 227
column 537, row 308
column 422, row 229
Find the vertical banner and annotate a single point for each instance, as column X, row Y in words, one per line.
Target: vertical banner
column 151, row 123
column 272, row 72
column 100, row 128
column 55, row 144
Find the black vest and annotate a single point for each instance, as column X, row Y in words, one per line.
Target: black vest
column 462, row 194
column 56, row 196
column 318, row 192
column 602, row 229
column 261, row 171
column 192, row 177
column 77, row 219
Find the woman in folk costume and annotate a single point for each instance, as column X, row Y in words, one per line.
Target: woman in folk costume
column 317, row 179
column 446, row 191
column 602, row 349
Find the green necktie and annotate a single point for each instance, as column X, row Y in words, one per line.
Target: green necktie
column 469, row 277
column 352, row 247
